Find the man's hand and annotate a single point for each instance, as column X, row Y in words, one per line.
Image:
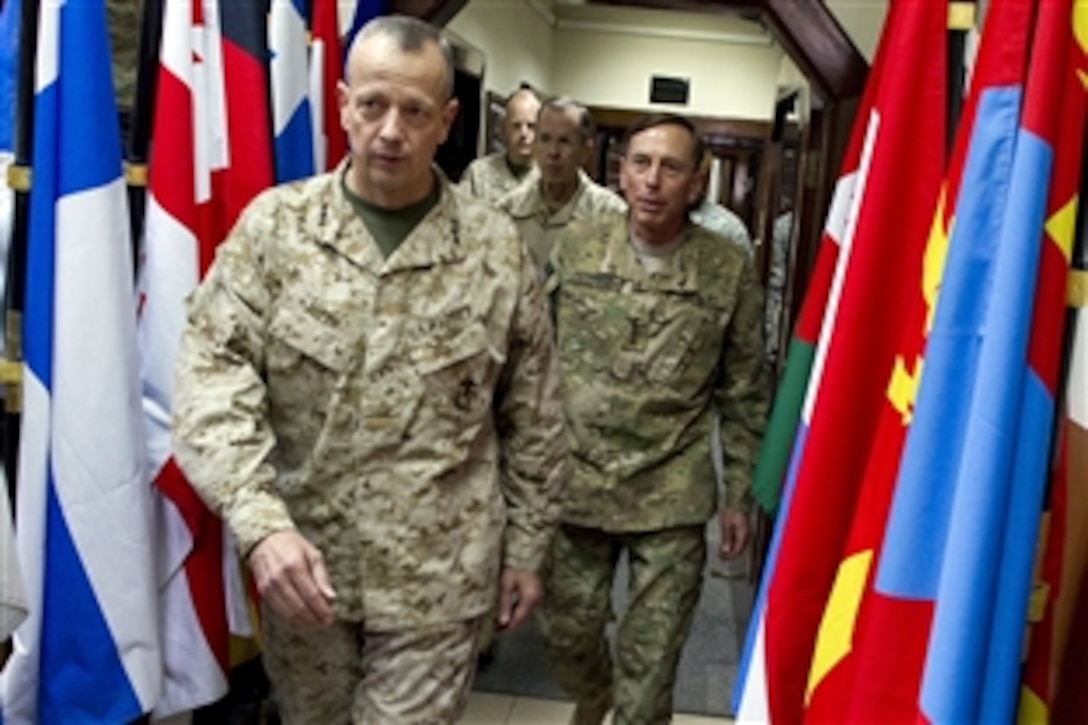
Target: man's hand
column 291, row 577
column 735, row 529
column 520, row 591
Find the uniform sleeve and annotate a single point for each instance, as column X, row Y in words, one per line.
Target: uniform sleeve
column 468, row 182
column 743, row 393
column 222, row 436
column 532, row 428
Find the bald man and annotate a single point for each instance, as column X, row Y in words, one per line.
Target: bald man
column 491, row 177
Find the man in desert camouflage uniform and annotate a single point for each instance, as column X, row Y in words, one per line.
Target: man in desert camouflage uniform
column 493, row 176
column 368, row 392
column 562, row 192
column 659, row 327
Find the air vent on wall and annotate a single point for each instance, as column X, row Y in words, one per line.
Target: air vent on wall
column 669, row 90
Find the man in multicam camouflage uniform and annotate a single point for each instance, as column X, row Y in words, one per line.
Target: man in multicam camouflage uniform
column 562, row 192
column 124, row 25
column 714, row 217
column 493, row 176
column 659, row 327
column 368, row 392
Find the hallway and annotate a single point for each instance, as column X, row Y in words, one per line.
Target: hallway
column 519, row 678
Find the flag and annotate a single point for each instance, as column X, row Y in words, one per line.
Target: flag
column 291, row 120
column 1055, row 686
column 10, row 15
column 1053, row 675
column 365, row 10
column 1069, row 698
column 89, row 650
column 949, row 534
column 326, row 70
column 211, row 155
column 877, row 269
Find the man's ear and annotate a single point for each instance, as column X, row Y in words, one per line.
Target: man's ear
column 698, row 188
column 343, row 102
column 587, row 151
column 449, row 113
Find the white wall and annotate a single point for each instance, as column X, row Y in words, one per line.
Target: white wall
column 515, row 39
column 614, row 70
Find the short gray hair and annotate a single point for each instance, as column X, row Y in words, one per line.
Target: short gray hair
column 587, row 127
column 411, row 35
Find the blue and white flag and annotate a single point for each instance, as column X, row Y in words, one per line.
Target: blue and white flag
column 289, row 74
column 10, row 14
column 89, row 651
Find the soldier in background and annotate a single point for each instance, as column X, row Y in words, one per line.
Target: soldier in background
column 124, row 18
column 562, row 191
column 368, row 393
column 493, row 176
column 659, row 327
column 714, row 217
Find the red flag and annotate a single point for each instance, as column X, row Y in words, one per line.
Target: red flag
column 330, row 142
column 211, row 153
column 876, row 280
column 855, row 674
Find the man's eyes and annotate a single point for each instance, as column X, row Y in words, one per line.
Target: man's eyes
column 374, row 107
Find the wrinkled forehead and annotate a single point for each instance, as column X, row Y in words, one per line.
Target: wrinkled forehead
column 666, row 140
column 380, row 59
column 558, row 121
column 523, row 106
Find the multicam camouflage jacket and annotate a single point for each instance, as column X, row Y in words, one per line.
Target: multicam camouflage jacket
column 647, row 359
column 489, row 178
column 540, row 228
column 723, row 222
column 405, row 414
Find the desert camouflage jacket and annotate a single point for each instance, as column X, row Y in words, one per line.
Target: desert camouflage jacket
column 404, row 414
column 646, row 358
column 489, row 178
column 539, row 227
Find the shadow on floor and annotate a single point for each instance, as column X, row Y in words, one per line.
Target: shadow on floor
column 708, row 665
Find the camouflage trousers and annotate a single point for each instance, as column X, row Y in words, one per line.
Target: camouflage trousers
column 666, row 577
column 345, row 674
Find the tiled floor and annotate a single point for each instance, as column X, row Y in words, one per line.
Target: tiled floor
column 488, row 709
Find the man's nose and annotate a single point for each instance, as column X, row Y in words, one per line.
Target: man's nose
column 391, row 128
column 653, row 175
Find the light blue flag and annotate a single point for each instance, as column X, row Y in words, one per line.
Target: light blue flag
column 289, row 73
column 89, row 651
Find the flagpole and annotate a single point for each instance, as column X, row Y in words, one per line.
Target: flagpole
column 19, row 178
column 961, row 20
column 142, row 116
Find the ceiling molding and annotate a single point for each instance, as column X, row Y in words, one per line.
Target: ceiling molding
column 708, row 36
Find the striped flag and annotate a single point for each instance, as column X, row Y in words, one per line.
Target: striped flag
column 10, row 14
column 211, row 155
column 89, row 651
column 954, row 573
column 877, row 269
column 1055, row 678
column 1063, row 694
column 330, row 141
column 365, row 10
column 291, row 119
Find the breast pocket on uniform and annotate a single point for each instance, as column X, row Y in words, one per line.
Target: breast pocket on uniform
column 457, row 372
column 305, row 359
column 687, row 343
